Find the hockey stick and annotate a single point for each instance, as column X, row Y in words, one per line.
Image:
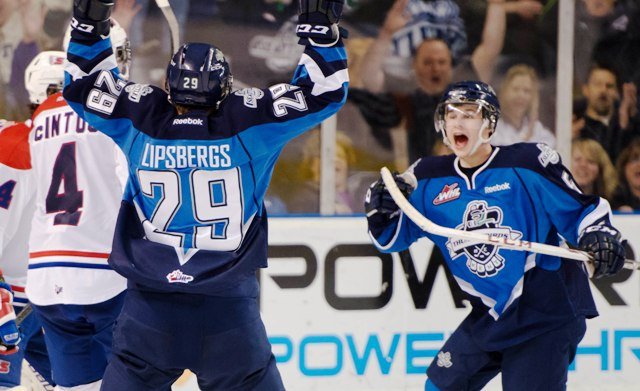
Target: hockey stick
column 477, row 237
column 174, row 27
column 29, row 374
column 26, row 311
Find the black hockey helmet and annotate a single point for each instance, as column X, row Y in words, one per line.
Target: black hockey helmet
column 471, row 91
column 198, row 75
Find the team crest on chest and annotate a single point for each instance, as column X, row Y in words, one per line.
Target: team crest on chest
column 483, row 260
column 448, row 193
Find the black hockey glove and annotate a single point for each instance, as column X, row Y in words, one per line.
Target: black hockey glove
column 379, row 204
column 92, row 16
column 604, row 244
column 318, row 22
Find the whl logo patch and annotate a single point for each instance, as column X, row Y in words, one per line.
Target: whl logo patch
column 483, row 259
column 448, row 193
column 177, row 276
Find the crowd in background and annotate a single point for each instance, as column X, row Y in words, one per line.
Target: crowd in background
column 403, row 54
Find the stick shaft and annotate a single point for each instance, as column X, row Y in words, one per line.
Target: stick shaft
column 174, row 27
column 520, row 245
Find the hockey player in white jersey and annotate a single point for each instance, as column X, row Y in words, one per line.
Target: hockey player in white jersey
column 43, row 75
column 77, row 197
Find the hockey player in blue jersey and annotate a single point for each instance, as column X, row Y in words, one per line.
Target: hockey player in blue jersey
column 192, row 228
column 528, row 310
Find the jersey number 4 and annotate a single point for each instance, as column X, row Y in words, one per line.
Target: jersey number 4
column 5, row 193
column 70, row 200
column 216, row 204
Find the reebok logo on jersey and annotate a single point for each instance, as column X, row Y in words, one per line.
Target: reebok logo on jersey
column 496, row 188
column 188, row 121
column 177, row 276
column 448, row 193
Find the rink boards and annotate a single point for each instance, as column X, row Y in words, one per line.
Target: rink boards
column 342, row 316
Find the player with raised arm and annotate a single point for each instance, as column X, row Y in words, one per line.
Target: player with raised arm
column 79, row 178
column 192, row 229
column 528, row 310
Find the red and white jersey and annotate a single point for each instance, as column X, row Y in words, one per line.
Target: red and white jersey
column 16, row 206
column 77, row 197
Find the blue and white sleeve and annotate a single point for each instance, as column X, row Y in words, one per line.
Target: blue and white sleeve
column 97, row 93
column 318, row 90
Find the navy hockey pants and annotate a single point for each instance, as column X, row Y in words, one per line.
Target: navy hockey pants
column 540, row 363
column 78, row 339
column 222, row 340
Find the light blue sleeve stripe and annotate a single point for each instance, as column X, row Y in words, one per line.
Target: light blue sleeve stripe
column 264, row 139
column 89, row 52
column 301, row 73
column 332, row 54
column 120, row 130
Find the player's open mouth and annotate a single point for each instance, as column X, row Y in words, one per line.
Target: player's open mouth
column 460, row 140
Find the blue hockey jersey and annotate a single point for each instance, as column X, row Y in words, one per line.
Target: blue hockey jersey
column 192, row 218
column 521, row 192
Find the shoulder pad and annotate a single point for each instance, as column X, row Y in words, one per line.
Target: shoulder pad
column 14, row 146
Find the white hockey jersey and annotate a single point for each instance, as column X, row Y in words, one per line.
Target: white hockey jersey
column 16, row 207
column 78, row 193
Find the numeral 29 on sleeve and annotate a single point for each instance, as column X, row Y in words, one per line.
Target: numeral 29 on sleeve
column 105, row 101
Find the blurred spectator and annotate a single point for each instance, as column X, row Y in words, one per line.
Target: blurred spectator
column 613, row 125
column 592, row 169
column 124, row 12
column 608, row 32
column 519, row 102
column 20, row 26
column 433, row 68
column 307, row 195
column 627, row 196
column 440, row 149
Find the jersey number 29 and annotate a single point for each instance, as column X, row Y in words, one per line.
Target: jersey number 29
column 216, row 203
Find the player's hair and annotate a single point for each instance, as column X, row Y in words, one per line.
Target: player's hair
column 606, row 181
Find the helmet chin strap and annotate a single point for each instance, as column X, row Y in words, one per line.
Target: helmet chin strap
column 481, row 140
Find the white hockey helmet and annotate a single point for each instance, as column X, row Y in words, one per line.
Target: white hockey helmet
column 119, row 42
column 44, row 73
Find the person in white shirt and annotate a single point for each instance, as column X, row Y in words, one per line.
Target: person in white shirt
column 520, row 97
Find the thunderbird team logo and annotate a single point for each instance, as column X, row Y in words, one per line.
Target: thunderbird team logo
column 483, row 259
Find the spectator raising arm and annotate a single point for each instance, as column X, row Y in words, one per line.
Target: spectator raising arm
column 372, row 72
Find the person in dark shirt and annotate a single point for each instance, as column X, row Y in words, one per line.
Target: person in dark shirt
column 435, row 66
column 608, row 118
